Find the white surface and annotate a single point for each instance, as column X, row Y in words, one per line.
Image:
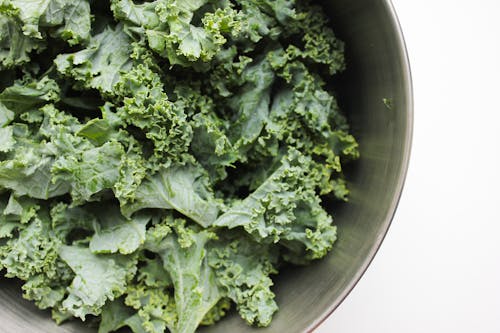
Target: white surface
column 439, row 267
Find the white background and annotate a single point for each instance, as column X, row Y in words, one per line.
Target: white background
column 439, row 268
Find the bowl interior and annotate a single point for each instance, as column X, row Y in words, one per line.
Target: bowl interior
column 375, row 93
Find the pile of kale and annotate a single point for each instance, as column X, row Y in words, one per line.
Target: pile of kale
column 159, row 160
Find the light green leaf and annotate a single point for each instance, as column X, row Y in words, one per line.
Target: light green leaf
column 30, row 174
column 242, row 268
column 7, row 140
column 24, row 208
column 32, row 252
column 195, row 287
column 6, row 115
column 252, row 103
column 90, row 171
column 15, row 46
column 100, row 65
column 286, row 209
column 116, row 233
column 98, row 278
column 29, row 14
column 114, row 315
column 26, row 96
column 181, row 188
column 72, row 19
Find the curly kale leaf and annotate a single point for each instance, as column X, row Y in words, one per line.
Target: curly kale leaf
column 286, row 209
column 184, row 255
column 48, row 292
column 171, row 32
column 24, row 26
column 211, row 145
column 182, row 188
column 90, row 171
column 29, row 173
column 147, row 107
column 98, row 278
column 34, row 251
column 251, row 104
column 69, row 20
column 15, row 46
column 101, row 130
column 115, row 233
column 23, row 208
column 29, row 94
column 242, row 268
column 7, row 141
column 6, row 116
column 100, row 65
column 319, row 43
column 116, row 315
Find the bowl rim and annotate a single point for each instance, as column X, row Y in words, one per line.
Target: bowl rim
column 409, row 96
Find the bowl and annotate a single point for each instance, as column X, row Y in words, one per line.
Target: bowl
column 375, row 93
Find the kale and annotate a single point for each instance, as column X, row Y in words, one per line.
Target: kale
column 161, row 160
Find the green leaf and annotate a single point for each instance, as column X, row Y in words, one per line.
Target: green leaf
column 286, row 209
column 30, row 174
column 24, row 208
column 195, row 287
column 211, row 145
column 32, row 252
column 46, row 292
column 29, row 13
column 101, row 130
column 251, row 104
column 98, row 278
column 7, row 141
column 100, row 65
column 181, row 188
column 71, row 18
column 137, row 14
column 242, row 268
column 258, row 24
column 116, row 233
column 15, row 46
column 147, row 107
column 65, row 219
column 320, row 45
column 114, row 315
column 153, row 274
column 6, row 115
column 170, row 31
column 90, row 171
column 28, row 95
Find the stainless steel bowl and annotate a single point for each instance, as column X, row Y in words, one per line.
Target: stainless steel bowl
column 376, row 94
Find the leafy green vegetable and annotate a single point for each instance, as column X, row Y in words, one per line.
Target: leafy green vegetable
column 242, row 268
column 286, row 208
column 99, row 65
column 7, row 139
column 15, row 46
column 97, row 279
column 115, row 233
column 195, row 287
column 181, row 188
column 161, row 160
column 25, row 26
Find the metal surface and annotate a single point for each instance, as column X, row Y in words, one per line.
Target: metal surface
column 377, row 69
